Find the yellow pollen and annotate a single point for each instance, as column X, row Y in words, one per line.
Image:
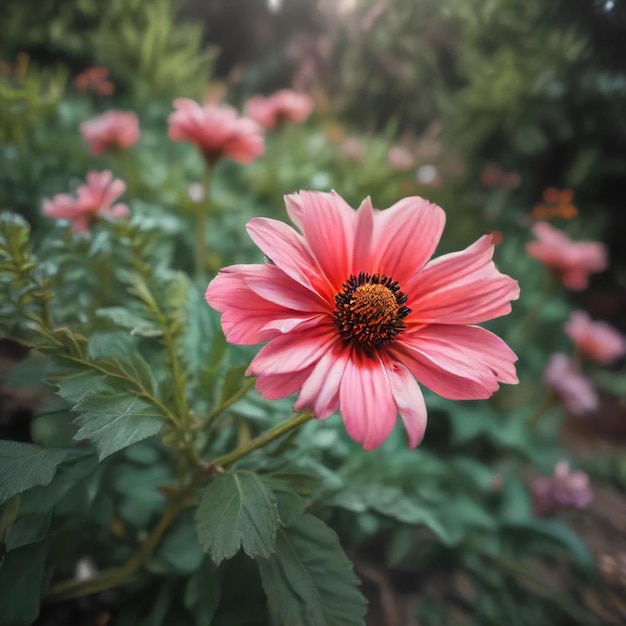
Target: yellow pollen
column 370, row 311
column 375, row 304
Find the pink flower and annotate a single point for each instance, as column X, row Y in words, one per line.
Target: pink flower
column 354, row 313
column 216, row 130
column 574, row 261
column 352, row 149
column 94, row 80
column 94, row 200
column 574, row 390
column 283, row 106
column 563, row 489
column 598, row 340
column 400, row 158
column 115, row 130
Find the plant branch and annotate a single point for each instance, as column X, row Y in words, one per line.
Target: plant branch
column 259, row 442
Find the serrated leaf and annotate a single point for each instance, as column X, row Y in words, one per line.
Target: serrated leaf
column 23, row 465
column 237, row 511
column 113, row 422
column 77, row 387
column 309, row 581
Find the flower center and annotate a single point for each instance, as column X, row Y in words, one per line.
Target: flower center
column 370, row 310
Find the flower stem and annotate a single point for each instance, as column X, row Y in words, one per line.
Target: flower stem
column 260, row 441
column 548, row 401
column 202, row 212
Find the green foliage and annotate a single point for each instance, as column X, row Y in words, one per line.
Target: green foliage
column 167, row 60
column 237, row 511
column 23, row 466
column 28, row 95
column 308, row 566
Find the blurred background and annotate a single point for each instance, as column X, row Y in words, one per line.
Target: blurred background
column 504, row 112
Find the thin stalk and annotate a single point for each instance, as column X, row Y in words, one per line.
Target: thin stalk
column 548, row 401
column 260, row 442
column 202, row 213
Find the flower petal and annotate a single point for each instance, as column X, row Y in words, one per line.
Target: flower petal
column 405, row 237
column 320, row 391
column 290, row 252
column 366, row 400
column 277, row 386
column 364, row 229
column 458, row 362
column 272, row 284
column 293, row 352
column 327, row 223
column 461, row 288
column 246, row 317
column 409, row 401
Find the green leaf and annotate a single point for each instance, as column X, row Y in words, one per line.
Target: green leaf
column 113, row 422
column 391, row 502
column 237, row 510
column 233, row 381
column 23, row 465
column 180, row 551
column 202, row 593
column 21, row 581
column 119, row 350
column 28, row 529
column 309, row 581
column 133, row 321
column 76, row 387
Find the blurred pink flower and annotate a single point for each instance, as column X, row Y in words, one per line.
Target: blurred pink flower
column 355, row 312
column 574, row 261
column 598, row 340
column 94, row 80
column 574, row 390
column 400, row 158
column 563, row 489
column 93, row 200
column 283, row 106
column 352, row 149
column 216, row 130
column 115, row 130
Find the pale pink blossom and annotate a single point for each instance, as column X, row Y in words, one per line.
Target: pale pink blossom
column 283, row 106
column 400, row 158
column 94, row 200
column 573, row 261
column 564, row 489
column 573, row 389
column 216, row 130
column 115, row 130
column 598, row 340
column 354, row 312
